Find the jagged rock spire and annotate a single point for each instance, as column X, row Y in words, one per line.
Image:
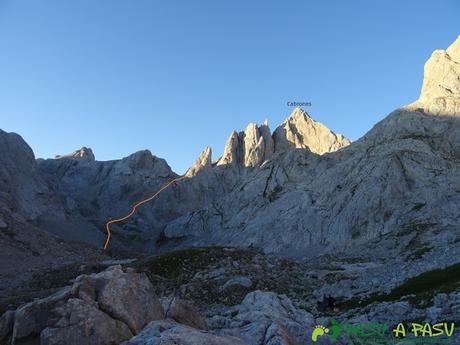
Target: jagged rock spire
column 249, row 148
column 230, row 156
column 203, row 162
column 256, row 144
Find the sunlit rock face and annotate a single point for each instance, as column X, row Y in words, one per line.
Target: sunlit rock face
column 256, row 144
column 83, row 153
column 203, row 163
column 301, row 131
column 300, row 190
column 249, row 148
column 317, row 191
column 441, row 85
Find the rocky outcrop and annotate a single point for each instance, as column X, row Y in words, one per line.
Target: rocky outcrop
column 81, row 322
column 31, row 214
column 170, row 332
column 253, row 146
column 307, row 203
column 256, row 144
column 266, row 318
column 102, row 308
column 118, row 305
column 441, row 84
column 128, row 297
column 185, row 313
column 83, row 153
column 231, row 155
column 301, row 131
column 249, row 148
column 25, row 194
column 97, row 191
column 203, row 163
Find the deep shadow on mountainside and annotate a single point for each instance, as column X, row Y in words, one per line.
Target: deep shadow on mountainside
column 300, row 213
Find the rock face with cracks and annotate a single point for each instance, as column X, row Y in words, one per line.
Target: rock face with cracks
column 103, row 308
column 300, row 191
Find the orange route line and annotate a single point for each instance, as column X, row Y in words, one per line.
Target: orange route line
column 133, row 210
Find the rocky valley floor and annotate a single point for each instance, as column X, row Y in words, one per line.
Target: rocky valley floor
column 223, row 295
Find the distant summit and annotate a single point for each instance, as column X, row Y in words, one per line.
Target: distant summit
column 256, row 144
column 83, row 153
column 301, row 131
column 441, row 83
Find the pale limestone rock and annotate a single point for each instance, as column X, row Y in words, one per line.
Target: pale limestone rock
column 168, row 332
column 103, row 308
column 80, row 322
column 83, row 153
column 307, row 203
column 253, row 146
column 231, row 151
column 249, row 148
column 301, row 131
column 269, row 319
column 269, row 144
column 203, row 163
column 440, row 93
column 129, row 297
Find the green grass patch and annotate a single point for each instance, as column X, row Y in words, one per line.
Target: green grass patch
column 179, row 266
column 420, row 289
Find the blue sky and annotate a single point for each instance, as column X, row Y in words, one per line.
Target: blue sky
column 176, row 76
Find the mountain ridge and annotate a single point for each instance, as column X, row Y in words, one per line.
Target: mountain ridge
column 267, row 167
column 374, row 223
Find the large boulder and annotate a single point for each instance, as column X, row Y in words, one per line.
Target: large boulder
column 82, row 322
column 185, row 313
column 169, row 332
column 126, row 296
column 103, row 308
column 266, row 318
column 31, row 318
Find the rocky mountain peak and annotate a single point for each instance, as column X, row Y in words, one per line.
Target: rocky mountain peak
column 203, row 162
column 249, row 148
column 230, row 156
column 299, row 130
column 454, row 50
column 84, row 153
column 440, row 93
column 256, row 144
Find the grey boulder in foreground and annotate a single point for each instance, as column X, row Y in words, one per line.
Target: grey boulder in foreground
column 112, row 306
column 103, row 308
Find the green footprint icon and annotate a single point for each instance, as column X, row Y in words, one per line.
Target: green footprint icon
column 318, row 331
